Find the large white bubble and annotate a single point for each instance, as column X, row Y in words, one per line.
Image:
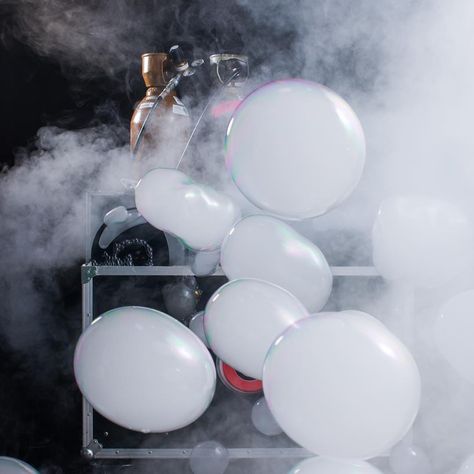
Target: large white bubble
column 467, row 466
column 333, row 466
column 406, row 458
column 244, row 317
column 267, row 248
column 454, row 331
column 295, row 148
column 423, row 241
column 199, row 215
column 15, row 466
column 341, row 385
column 144, row 370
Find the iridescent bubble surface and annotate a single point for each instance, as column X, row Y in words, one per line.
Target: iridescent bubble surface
column 209, row 457
column 244, row 317
column 341, row 385
column 333, row 466
column 144, row 370
column 15, row 466
column 295, row 148
column 263, row 420
column 199, row 215
column 266, row 248
column 454, row 330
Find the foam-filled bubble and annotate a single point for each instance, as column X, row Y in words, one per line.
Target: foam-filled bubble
column 295, row 148
column 341, row 385
column 15, row 466
column 333, row 466
column 467, row 466
column 209, row 457
column 263, row 420
column 406, row 458
column 144, row 370
column 454, row 329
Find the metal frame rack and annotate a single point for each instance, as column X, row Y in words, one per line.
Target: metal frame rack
column 91, row 448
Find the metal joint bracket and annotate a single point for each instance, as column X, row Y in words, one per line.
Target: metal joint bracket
column 89, row 452
column 88, row 272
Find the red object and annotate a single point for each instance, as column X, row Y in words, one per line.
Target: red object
column 236, row 381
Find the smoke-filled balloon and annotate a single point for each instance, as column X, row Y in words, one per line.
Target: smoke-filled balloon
column 196, row 324
column 15, row 466
column 263, row 420
column 144, row 370
column 341, row 385
column 244, row 317
column 209, row 457
column 424, row 241
column 333, row 466
column 454, row 330
column 295, row 148
column 467, row 466
column 267, row 248
column 406, row 458
column 199, row 215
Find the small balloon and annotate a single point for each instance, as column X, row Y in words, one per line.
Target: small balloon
column 266, row 248
column 15, row 466
column 406, row 458
column 295, row 148
column 424, row 241
column 263, row 419
column 244, row 317
column 209, row 457
column 321, row 465
column 467, row 466
column 341, row 385
column 453, row 330
column 196, row 324
column 200, row 216
column 144, row 370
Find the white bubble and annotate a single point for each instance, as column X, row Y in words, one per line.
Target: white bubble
column 454, row 329
column 170, row 201
column 263, row 420
column 144, row 370
column 266, row 248
column 409, row 459
column 196, row 324
column 333, row 466
column 341, row 385
column 467, row 466
column 15, row 466
column 424, row 241
column 244, row 317
column 209, row 457
column 295, row 148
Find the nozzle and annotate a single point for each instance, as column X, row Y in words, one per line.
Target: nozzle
column 155, row 69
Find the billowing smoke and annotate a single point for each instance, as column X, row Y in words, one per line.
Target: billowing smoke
column 406, row 68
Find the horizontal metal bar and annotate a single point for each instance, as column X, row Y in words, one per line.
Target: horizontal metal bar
column 234, row 453
column 181, row 270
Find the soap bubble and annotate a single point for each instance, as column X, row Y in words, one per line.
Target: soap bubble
column 423, row 241
column 181, row 297
column 209, row 457
column 199, row 215
column 263, row 419
column 144, row 370
column 467, row 466
column 244, row 317
column 15, row 466
column 341, row 385
column 409, row 459
column 295, row 148
column 266, row 248
column 333, row 466
column 454, row 329
column 196, row 324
